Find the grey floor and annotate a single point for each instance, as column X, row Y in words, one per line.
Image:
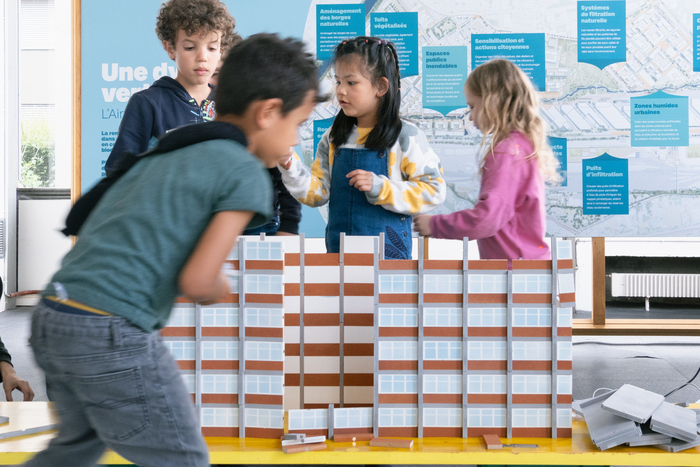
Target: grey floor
column 658, row 364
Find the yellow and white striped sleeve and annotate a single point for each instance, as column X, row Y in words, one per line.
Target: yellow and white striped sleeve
column 311, row 186
column 415, row 184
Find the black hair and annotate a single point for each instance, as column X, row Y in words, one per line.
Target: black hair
column 379, row 60
column 264, row 66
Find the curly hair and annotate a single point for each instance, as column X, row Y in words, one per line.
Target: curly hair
column 510, row 102
column 228, row 42
column 194, row 17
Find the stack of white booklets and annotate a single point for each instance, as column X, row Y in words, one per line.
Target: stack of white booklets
column 637, row 417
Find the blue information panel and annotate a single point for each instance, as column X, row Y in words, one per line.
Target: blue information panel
column 602, row 32
column 336, row 23
column 559, row 147
column 605, row 186
column 525, row 50
column 696, row 42
column 402, row 30
column 320, row 127
column 659, row 119
column 445, row 70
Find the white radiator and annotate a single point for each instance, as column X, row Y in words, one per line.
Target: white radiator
column 656, row 285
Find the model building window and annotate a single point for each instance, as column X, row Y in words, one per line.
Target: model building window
column 403, row 283
column 532, row 350
column 220, row 416
column 564, row 317
column 189, row 379
column 398, row 417
column 532, row 384
column 182, row 317
column 357, row 417
column 264, row 418
column 233, row 254
column 399, row 317
column 488, row 283
column 563, row 418
column 442, row 417
column 532, row 316
column 398, row 350
column 566, row 283
column 219, row 384
column 265, row 351
column 220, row 350
column 442, row 317
column 564, row 249
column 181, row 350
column 263, row 250
column 487, row 350
column 442, row 283
column 264, row 317
column 233, row 276
column 486, row 384
column 532, row 283
column 308, row 419
column 442, row 384
column 264, row 384
column 487, row 317
column 263, row 283
column 219, row 316
column 442, row 350
column 532, row 418
column 564, row 384
column 564, row 351
column 485, row 418
column 398, row 384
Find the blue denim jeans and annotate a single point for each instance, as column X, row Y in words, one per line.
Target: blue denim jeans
column 270, row 228
column 113, row 385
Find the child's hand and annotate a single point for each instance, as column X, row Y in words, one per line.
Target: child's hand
column 288, row 162
column 361, row 179
column 421, row 224
column 222, row 294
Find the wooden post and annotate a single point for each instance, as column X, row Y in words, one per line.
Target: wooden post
column 76, row 56
column 598, row 247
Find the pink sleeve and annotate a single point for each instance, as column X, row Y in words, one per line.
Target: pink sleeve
column 500, row 180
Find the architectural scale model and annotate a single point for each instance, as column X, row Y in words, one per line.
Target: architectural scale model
column 354, row 343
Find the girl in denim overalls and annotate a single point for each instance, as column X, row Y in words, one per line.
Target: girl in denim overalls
column 374, row 169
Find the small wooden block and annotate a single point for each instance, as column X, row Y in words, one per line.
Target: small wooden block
column 391, row 443
column 492, row 442
column 350, row 437
column 304, row 448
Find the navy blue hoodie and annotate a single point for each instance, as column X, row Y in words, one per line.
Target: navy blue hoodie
column 151, row 113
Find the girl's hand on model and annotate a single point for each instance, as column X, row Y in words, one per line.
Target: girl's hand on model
column 361, row 179
column 421, row 224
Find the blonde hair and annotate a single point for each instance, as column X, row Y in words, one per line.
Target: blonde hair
column 510, row 103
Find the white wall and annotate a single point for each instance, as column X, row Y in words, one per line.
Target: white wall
column 41, row 245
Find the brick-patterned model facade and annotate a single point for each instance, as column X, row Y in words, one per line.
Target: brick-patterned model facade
column 397, row 346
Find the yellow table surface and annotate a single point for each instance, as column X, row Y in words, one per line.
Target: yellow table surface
column 578, row 450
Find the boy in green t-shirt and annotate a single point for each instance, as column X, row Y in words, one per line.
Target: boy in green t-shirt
column 163, row 229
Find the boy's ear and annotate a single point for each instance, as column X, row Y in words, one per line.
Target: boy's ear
column 382, row 86
column 170, row 49
column 267, row 111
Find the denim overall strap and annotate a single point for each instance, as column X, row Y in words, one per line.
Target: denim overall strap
column 351, row 213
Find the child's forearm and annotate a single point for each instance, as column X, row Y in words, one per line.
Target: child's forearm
column 486, row 219
column 309, row 187
column 408, row 197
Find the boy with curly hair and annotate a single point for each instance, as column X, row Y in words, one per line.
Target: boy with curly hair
column 194, row 33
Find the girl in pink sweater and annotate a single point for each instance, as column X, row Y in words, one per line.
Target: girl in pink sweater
column 509, row 219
